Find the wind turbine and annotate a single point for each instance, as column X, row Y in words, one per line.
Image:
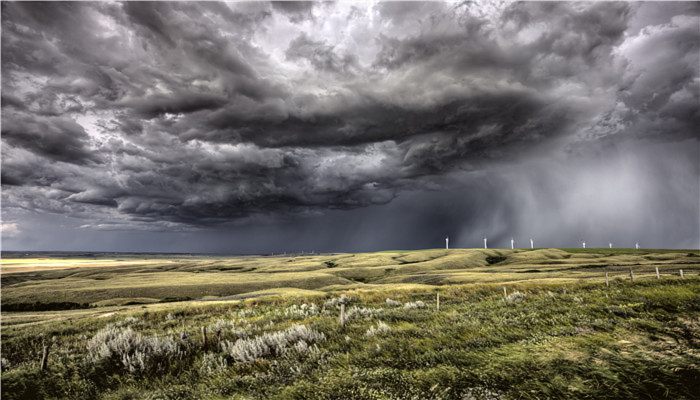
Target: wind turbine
column 636, row 245
column 447, row 243
column 512, row 243
column 583, row 243
column 532, row 243
column 485, row 243
column 610, row 245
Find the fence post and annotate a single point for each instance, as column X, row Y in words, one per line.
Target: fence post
column 45, row 354
column 342, row 315
column 607, row 280
column 631, row 275
column 505, row 292
column 437, row 302
column 681, row 273
column 657, row 273
column 205, row 340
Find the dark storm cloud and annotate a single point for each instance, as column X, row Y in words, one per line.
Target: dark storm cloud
column 195, row 114
column 374, row 120
column 59, row 139
column 661, row 91
column 176, row 103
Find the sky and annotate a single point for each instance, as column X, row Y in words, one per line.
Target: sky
column 255, row 127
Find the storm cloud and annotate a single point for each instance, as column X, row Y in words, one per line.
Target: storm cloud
column 224, row 117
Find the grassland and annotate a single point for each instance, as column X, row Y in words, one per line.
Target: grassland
column 560, row 332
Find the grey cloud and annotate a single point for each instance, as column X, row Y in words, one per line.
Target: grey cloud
column 400, row 12
column 321, row 55
column 661, row 90
column 93, row 196
column 296, row 11
column 175, row 103
column 374, row 119
column 12, row 101
column 152, row 17
column 202, row 114
column 59, row 139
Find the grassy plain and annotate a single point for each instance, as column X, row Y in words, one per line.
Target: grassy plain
column 561, row 332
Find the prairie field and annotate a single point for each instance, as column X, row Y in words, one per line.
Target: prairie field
column 510, row 324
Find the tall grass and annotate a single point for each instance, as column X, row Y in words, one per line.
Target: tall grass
column 554, row 341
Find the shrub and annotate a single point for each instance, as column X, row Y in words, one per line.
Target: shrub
column 414, row 304
column 515, row 297
column 337, row 301
column 302, row 311
column 132, row 351
column 392, row 303
column 330, row 264
column 381, row 329
column 302, row 347
column 221, row 325
column 362, row 312
column 271, row 344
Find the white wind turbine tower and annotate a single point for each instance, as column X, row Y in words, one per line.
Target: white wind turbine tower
column 447, row 243
column 485, row 243
column 583, row 243
column 610, row 245
column 512, row 243
column 636, row 245
column 532, row 243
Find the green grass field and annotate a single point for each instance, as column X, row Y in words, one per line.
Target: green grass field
column 131, row 327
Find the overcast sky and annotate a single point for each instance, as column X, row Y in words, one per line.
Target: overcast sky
column 270, row 127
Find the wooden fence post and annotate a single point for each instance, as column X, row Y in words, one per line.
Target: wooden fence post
column 681, row 273
column 205, row 340
column 631, row 275
column 607, row 280
column 437, row 301
column 657, row 273
column 342, row 315
column 45, row 354
column 505, row 292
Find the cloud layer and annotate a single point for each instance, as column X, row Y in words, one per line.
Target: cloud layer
column 186, row 116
